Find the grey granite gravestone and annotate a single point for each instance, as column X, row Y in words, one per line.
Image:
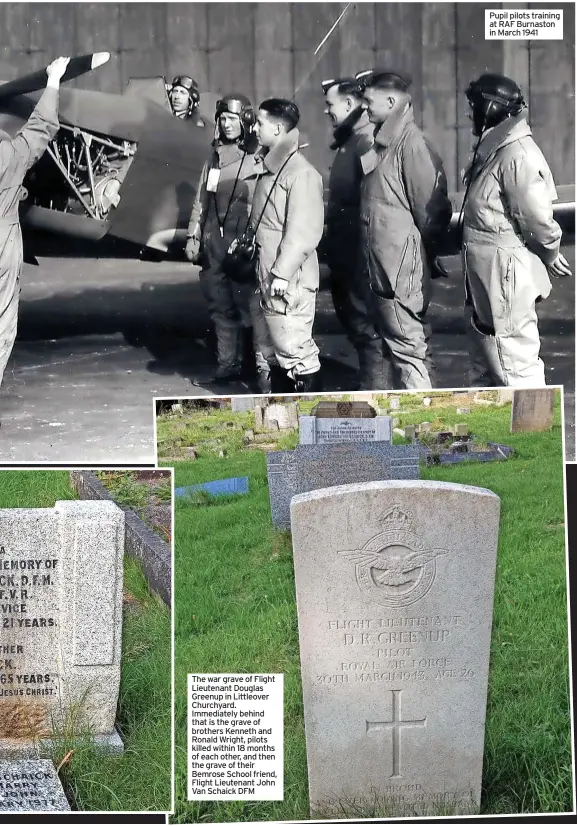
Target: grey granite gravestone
column 314, row 430
column 394, row 585
column 309, row 467
column 532, row 410
column 61, row 613
column 31, row 786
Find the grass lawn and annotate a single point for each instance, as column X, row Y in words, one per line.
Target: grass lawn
column 236, row 612
column 138, row 780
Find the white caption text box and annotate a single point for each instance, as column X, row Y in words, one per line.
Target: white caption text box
column 235, row 737
column 524, row 24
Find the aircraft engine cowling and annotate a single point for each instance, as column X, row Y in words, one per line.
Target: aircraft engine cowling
column 81, row 173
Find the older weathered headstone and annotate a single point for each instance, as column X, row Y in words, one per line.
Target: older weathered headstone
column 394, row 403
column 280, row 417
column 505, row 395
column 258, row 416
column 31, row 786
column 240, row 404
column 368, row 397
column 394, row 588
column 309, row 467
column 532, row 410
column 61, row 614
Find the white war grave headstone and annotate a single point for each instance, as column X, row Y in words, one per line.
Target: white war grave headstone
column 394, row 586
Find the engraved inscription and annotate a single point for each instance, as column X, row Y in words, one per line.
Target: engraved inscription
column 395, row 726
column 398, row 649
column 30, row 785
column 349, row 430
column 28, row 618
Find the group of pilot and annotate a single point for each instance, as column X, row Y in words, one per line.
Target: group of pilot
column 386, row 216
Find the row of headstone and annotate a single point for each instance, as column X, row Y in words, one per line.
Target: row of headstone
column 61, row 575
column 334, row 422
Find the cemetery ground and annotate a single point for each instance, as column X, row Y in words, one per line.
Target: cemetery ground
column 140, row 778
column 142, row 491
column 235, row 605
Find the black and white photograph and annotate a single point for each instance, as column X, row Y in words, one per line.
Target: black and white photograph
column 257, row 197
column 287, row 406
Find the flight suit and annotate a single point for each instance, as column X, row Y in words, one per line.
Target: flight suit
column 232, row 306
column 509, row 237
column 17, row 155
column 404, row 210
column 343, row 255
column 287, row 236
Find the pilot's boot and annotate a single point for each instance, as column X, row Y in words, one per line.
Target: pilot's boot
column 249, row 360
column 228, row 354
column 309, row 383
column 375, row 371
column 281, row 382
column 263, row 381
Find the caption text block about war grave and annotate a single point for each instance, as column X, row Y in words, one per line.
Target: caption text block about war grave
column 235, row 736
column 526, row 24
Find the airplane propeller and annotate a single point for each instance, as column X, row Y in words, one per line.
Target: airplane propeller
column 37, row 80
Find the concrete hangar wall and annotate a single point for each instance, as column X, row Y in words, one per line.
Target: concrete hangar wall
column 265, row 49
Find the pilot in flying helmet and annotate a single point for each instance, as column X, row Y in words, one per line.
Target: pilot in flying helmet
column 184, row 96
column 234, row 118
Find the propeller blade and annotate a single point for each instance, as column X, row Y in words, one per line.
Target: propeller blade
column 37, row 80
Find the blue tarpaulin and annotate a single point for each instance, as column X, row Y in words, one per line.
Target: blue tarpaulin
column 222, row 487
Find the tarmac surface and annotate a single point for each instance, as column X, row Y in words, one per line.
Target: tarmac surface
column 98, row 339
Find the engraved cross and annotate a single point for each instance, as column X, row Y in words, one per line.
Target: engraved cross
column 396, row 724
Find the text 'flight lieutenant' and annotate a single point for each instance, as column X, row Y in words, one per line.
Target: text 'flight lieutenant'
column 220, row 213
column 352, row 137
column 17, row 155
column 288, row 219
column 404, row 211
column 510, row 238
